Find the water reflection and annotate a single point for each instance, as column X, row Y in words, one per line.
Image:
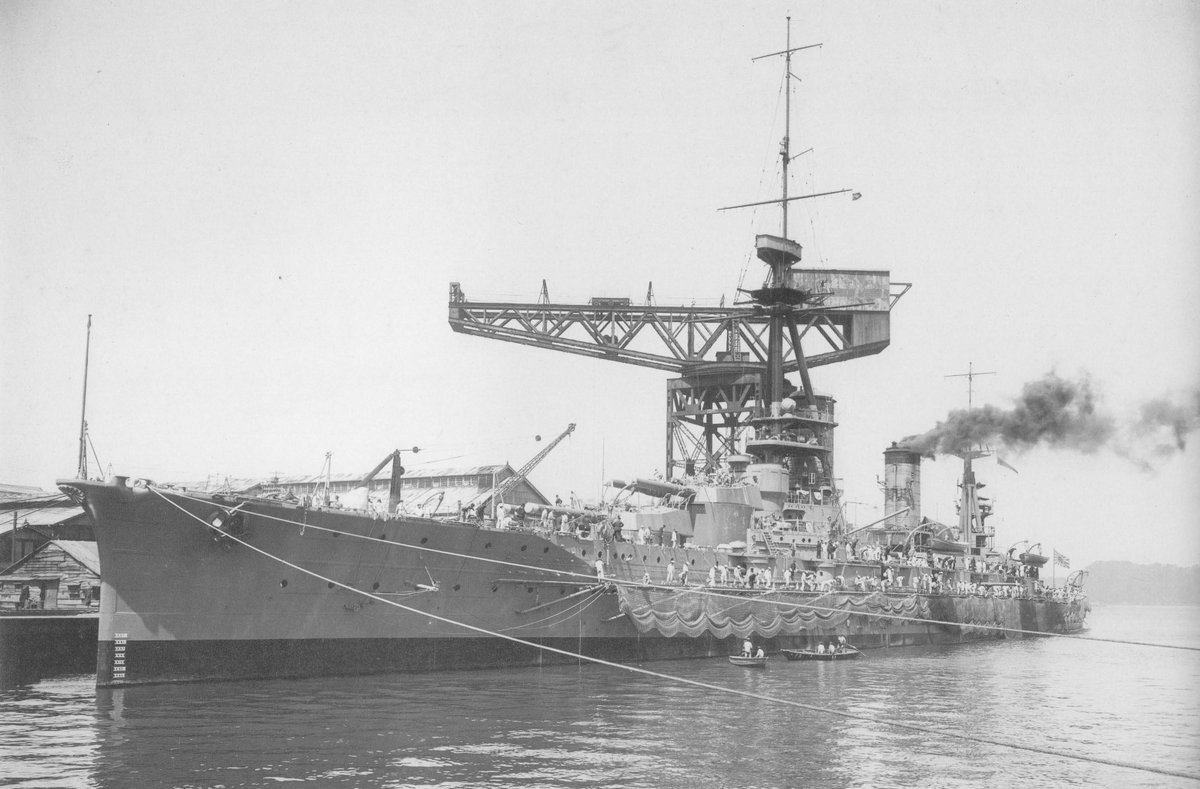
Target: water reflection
column 598, row 727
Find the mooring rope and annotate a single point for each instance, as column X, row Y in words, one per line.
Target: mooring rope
column 572, row 610
column 708, row 591
column 686, row 681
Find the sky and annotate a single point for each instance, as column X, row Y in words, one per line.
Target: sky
column 262, row 206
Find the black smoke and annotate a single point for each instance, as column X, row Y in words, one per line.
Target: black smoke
column 1059, row 413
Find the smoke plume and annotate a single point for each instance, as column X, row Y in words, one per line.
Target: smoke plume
column 1059, row 413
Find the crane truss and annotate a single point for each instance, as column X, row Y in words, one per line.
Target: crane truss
column 719, row 353
column 674, row 339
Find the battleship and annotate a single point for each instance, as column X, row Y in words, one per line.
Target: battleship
column 743, row 537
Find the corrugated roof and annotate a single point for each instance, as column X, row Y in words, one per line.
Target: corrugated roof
column 42, row 516
column 16, row 492
column 463, row 471
column 414, row 497
column 83, row 552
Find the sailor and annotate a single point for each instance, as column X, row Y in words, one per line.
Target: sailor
column 724, row 575
column 712, row 575
column 645, row 579
column 600, row 569
column 821, row 649
column 760, row 653
column 617, row 526
column 670, row 572
column 841, row 646
column 747, row 648
column 683, row 573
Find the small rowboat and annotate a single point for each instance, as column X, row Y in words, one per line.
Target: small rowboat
column 846, row 653
column 1033, row 559
column 752, row 662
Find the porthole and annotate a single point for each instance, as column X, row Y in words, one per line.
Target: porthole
column 487, row 545
column 659, row 560
column 383, row 536
column 645, row 558
column 523, row 547
column 424, row 540
column 583, row 552
column 283, row 584
column 457, row 587
column 335, row 534
column 375, row 586
column 546, row 549
column 330, row 584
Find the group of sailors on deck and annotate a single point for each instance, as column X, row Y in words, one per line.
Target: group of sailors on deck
column 798, row 579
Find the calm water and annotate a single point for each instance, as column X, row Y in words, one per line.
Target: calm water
column 601, row 727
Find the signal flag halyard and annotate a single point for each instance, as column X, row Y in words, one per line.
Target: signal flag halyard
column 1061, row 560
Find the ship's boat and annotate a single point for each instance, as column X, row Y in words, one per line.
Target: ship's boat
column 947, row 546
column 1033, row 559
column 745, row 536
column 847, row 653
column 748, row 661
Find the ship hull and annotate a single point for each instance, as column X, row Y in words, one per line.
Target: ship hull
column 296, row 592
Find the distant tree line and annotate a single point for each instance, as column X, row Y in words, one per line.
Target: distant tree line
column 1147, row 584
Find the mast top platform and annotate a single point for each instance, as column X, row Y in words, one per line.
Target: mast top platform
column 774, row 250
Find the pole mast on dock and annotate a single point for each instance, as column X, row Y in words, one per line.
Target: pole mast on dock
column 83, row 470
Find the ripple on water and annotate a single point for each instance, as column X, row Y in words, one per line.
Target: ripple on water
column 596, row 727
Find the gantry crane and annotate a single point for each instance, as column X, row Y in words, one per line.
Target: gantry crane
column 719, row 354
column 730, row 361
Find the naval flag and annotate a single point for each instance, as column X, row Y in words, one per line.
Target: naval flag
column 1061, row 560
column 1000, row 460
